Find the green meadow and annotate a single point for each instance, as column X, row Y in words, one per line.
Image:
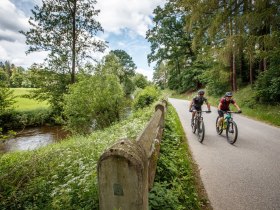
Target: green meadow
column 23, row 103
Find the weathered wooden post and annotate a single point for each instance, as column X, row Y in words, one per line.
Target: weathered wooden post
column 126, row 170
column 122, row 175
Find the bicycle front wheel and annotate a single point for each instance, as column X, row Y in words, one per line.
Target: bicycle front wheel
column 232, row 132
column 200, row 131
column 194, row 124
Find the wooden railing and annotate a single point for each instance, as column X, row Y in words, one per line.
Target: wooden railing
column 127, row 169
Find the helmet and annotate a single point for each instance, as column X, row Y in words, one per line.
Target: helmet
column 228, row 94
column 200, row 92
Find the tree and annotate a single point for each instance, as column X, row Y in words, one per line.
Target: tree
column 6, row 94
column 126, row 61
column 93, row 103
column 170, row 43
column 160, row 75
column 140, row 80
column 112, row 64
column 67, row 30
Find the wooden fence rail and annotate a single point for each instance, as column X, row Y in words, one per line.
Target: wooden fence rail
column 127, row 169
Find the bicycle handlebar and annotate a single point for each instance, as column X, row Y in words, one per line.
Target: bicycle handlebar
column 232, row 112
column 202, row 111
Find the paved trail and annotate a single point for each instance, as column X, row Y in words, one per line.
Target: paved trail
column 242, row 176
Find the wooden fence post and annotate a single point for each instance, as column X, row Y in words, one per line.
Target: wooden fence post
column 126, row 170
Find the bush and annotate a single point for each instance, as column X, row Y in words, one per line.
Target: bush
column 93, row 103
column 146, row 97
column 19, row 119
column 216, row 80
column 268, row 85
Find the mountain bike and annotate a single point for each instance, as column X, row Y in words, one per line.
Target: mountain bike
column 198, row 125
column 229, row 126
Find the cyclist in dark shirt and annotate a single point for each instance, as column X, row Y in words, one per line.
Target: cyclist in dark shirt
column 197, row 102
column 224, row 105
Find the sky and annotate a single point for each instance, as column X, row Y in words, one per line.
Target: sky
column 125, row 23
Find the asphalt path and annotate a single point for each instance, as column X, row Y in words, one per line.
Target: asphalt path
column 242, row 176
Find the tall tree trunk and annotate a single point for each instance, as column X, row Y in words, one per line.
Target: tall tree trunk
column 234, row 83
column 231, row 70
column 264, row 64
column 251, row 69
column 73, row 42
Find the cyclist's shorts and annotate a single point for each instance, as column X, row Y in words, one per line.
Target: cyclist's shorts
column 196, row 108
column 221, row 112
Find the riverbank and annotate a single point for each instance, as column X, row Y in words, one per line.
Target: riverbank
column 26, row 112
column 62, row 175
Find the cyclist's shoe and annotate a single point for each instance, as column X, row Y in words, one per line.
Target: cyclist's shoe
column 209, row 111
column 231, row 131
column 239, row 111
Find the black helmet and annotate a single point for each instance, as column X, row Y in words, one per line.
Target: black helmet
column 228, row 94
column 200, row 92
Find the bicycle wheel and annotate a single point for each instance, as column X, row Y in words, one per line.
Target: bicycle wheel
column 219, row 128
column 200, row 131
column 194, row 125
column 232, row 132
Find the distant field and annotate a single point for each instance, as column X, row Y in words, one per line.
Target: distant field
column 26, row 103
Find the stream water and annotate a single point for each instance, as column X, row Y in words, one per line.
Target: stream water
column 33, row 138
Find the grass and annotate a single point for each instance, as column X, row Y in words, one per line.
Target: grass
column 245, row 99
column 177, row 184
column 24, row 104
column 62, row 175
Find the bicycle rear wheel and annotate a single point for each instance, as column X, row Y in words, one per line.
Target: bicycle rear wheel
column 219, row 128
column 232, row 132
column 200, row 131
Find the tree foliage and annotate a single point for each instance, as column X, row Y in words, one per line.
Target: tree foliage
column 240, row 37
column 126, row 61
column 93, row 103
column 67, row 30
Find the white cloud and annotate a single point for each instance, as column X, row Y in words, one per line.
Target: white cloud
column 15, row 53
column 132, row 14
column 146, row 72
column 125, row 23
column 12, row 19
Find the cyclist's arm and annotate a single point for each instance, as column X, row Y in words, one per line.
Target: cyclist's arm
column 220, row 106
column 208, row 106
column 237, row 107
column 191, row 105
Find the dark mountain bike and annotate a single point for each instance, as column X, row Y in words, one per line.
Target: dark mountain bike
column 229, row 126
column 198, row 125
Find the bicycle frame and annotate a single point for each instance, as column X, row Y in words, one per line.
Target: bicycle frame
column 199, row 125
column 231, row 127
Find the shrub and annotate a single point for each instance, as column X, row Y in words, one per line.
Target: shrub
column 19, row 119
column 268, row 85
column 216, row 80
column 146, row 97
column 93, row 103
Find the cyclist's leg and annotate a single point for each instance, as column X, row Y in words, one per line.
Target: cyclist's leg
column 221, row 117
column 193, row 114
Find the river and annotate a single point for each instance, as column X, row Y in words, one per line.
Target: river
column 33, row 138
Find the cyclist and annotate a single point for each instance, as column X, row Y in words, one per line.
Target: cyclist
column 197, row 102
column 224, row 106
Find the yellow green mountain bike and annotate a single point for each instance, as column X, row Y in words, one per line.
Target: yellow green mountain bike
column 229, row 126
